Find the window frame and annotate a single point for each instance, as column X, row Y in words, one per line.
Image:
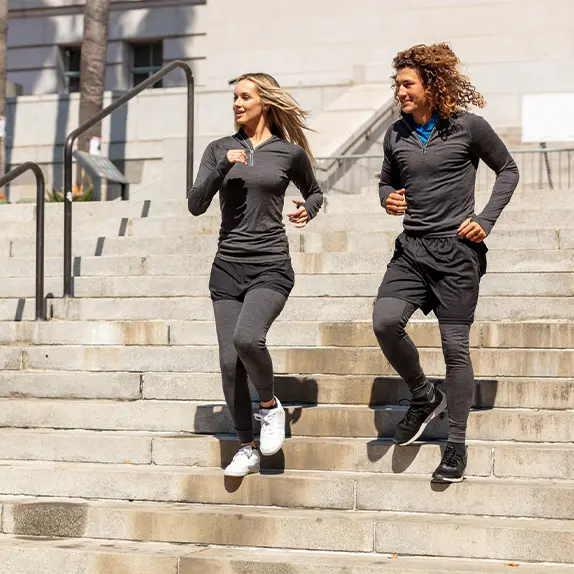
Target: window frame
column 67, row 73
column 150, row 69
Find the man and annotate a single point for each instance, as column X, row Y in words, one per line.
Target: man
column 428, row 175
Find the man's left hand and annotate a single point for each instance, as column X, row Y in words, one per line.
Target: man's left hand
column 472, row 231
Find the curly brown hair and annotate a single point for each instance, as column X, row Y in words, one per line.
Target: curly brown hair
column 447, row 88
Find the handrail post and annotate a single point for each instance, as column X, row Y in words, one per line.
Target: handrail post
column 40, row 225
column 190, row 127
column 68, row 195
column 68, row 199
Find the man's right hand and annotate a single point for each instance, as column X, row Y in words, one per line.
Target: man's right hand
column 237, row 156
column 396, row 203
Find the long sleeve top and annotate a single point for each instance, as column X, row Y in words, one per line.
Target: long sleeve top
column 252, row 196
column 439, row 176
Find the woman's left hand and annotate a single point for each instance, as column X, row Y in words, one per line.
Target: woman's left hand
column 300, row 218
column 472, row 231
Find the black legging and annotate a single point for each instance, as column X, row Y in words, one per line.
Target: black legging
column 390, row 317
column 241, row 331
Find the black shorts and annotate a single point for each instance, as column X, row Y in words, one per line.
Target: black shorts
column 233, row 280
column 436, row 274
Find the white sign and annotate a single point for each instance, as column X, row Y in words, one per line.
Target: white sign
column 547, row 118
column 95, row 146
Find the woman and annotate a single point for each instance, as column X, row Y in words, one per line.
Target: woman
column 252, row 276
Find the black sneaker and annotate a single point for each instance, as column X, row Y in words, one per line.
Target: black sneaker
column 420, row 414
column 452, row 465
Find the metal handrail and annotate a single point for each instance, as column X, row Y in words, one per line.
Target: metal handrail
column 40, row 220
column 555, row 165
column 511, row 151
column 68, row 149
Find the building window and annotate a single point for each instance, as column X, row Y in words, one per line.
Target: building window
column 71, row 56
column 147, row 60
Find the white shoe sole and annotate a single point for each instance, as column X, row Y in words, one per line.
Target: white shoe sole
column 427, row 421
column 236, row 474
column 447, row 480
column 274, row 451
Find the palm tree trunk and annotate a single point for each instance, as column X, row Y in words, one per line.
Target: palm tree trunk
column 3, row 71
column 93, row 68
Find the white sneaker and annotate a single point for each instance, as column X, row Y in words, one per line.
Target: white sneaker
column 245, row 461
column 272, row 429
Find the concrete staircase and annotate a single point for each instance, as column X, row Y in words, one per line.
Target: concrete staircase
column 114, row 429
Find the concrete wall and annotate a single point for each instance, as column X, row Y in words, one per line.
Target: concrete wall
column 511, row 47
column 318, row 48
column 37, row 28
column 148, row 135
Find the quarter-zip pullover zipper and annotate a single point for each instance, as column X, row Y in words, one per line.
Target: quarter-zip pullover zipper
column 246, row 143
column 423, row 146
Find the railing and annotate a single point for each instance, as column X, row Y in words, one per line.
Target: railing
column 40, row 219
column 329, row 171
column 68, row 150
column 546, row 168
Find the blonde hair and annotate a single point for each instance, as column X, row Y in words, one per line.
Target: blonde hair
column 285, row 118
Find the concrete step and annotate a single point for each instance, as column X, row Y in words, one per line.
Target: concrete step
column 17, row 309
column 90, row 556
column 195, row 308
column 521, row 201
column 304, row 360
column 523, row 425
column 297, row 309
column 486, row 459
column 511, row 334
column 111, row 245
column 349, row 285
column 328, row 530
column 83, row 556
column 307, row 240
column 383, row 241
column 494, row 459
column 520, row 260
column 498, row 392
column 70, row 385
column 85, row 333
column 22, row 213
column 247, row 561
column 515, row 334
column 54, row 228
column 532, row 284
column 128, row 448
column 370, row 220
column 534, row 498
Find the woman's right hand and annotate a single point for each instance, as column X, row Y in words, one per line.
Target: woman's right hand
column 237, row 156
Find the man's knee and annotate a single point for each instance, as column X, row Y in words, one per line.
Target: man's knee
column 387, row 323
column 455, row 344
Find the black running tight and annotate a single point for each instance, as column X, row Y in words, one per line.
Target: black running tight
column 241, row 331
column 390, row 318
